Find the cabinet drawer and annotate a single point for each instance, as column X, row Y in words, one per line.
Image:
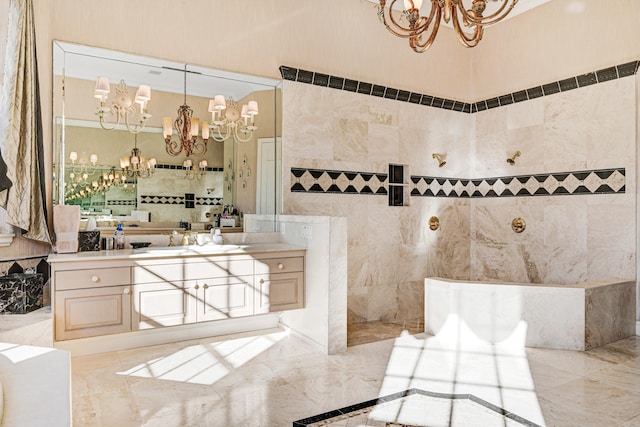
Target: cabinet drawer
column 84, row 313
column 279, row 292
column 191, row 270
column 279, row 265
column 97, row 277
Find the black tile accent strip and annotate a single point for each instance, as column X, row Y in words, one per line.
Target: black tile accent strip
column 597, row 181
column 343, row 413
column 366, row 88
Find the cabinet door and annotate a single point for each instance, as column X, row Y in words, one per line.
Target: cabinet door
column 278, row 292
column 224, row 298
column 90, row 312
column 163, row 304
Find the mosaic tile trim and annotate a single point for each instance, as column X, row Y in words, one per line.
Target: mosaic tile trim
column 179, row 167
column 598, row 181
column 372, row 89
column 601, row 181
column 180, row 200
column 341, row 414
column 341, row 182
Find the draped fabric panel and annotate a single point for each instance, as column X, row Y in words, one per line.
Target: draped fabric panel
column 22, row 190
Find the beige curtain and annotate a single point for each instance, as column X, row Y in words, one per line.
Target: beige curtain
column 22, row 191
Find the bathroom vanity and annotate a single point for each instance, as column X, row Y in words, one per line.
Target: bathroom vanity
column 119, row 299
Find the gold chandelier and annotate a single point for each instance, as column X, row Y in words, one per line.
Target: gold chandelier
column 186, row 127
column 421, row 30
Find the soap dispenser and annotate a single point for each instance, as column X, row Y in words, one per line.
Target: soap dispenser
column 217, row 237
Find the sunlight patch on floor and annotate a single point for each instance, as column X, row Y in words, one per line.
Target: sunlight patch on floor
column 205, row 363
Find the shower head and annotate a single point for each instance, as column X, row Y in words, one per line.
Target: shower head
column 512, row 160
column 438, row 157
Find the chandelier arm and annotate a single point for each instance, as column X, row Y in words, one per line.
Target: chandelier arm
column 421, row 47
column 494, row 18
column 469, row 40
column 220, row 137
column 134, row 129
column 103, row 122
column 238, row 131
column 397, row 29
column 172, row 147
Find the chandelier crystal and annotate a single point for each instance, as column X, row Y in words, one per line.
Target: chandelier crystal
column 186, row 127
column 122, row 108
column 421, row 30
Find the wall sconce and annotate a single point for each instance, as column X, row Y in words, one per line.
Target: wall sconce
column 439, row 158
column 196, row 171
column 512, row 160
column 82, row 166
column 122, row 106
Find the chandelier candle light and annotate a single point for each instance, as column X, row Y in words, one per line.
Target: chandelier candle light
column 81, row 166
column 194, row 171
column 137, row 166
column 122, row 106
column 227, row 121
column 421, row 30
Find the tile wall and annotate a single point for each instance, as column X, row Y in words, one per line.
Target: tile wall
column 573, row 184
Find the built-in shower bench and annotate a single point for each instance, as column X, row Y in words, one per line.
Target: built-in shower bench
column 572, row 317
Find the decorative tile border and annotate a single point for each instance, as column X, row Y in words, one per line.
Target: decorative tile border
column 372, row 89
column 598, row 181
column 179, row 167
column 185, row 199
column 333, row 181
column 601, row 181
column 341, row 414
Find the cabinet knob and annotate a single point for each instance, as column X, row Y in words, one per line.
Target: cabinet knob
column 205, row 286
column 197, row 286
column 262, row 281
column 126, row 291
column 95, row 279
column 280, row 265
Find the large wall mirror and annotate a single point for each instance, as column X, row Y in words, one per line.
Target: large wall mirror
column 127, row 171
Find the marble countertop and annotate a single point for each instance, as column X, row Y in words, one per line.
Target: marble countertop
column 209, row 249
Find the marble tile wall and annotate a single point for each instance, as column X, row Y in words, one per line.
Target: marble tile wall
column 582, row 127
column 390, row 250
column 169, row 196
column 568, row 239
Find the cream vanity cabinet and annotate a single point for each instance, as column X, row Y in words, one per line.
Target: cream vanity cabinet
column 125, row 291
column 191, row 290
column 92, row 301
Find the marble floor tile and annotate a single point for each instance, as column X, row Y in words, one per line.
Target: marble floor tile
column 274, row 378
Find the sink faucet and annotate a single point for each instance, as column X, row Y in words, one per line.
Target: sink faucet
column 185, row 238
column 172, row 237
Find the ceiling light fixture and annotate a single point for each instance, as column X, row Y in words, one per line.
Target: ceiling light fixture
column 421, row 30
column 227, row 121
column 187, row 128
column 122, row 105
column 137, row 166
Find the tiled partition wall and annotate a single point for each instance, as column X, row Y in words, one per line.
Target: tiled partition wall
column 573, row 184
